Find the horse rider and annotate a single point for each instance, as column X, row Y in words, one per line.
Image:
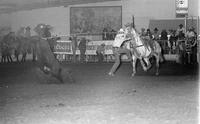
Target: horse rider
column 119, row 49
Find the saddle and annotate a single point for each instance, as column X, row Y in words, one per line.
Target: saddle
column 149, row 43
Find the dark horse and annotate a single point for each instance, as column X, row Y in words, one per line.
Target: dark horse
column 7, row 47
column 47, row 62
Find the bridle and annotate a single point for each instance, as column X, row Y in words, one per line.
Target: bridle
column 135, row 46
column 134, row 41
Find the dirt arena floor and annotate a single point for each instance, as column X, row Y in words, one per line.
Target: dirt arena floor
column 95, row 98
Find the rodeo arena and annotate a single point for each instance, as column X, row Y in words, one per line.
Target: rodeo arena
column 99, row 61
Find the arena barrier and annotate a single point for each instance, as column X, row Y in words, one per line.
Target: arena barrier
column 64, row 52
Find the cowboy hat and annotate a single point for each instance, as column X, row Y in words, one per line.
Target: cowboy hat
column 181, row 25
column 155, row 29
column 28, row 28
column 121, row 30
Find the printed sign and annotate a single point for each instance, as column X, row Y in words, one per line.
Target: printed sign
column 181, row 8
column 180, row 4
column 92, row 47
column 63, row 47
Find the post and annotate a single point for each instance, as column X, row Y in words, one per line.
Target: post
column 133, row 21
column 185, row 23
column 198, row 40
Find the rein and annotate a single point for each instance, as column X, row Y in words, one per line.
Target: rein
column 134, row 46
column 137, row 53
column 137, row 46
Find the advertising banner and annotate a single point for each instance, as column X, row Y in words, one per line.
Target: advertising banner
column 63, row 47
column 180, row 4
column 92, row 47
column 181, row 8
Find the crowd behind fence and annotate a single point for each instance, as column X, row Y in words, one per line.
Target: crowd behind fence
column 63, row 50
column 66, row 49
column 178, row 48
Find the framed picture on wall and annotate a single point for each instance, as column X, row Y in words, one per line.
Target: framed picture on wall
column 92, row 20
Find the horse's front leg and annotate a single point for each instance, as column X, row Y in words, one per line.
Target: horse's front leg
column 3, row 59
column 24, row 57
column 148, row 63
column 9, row 58
column 17, row 57
column 134, row 60
column 143, row 65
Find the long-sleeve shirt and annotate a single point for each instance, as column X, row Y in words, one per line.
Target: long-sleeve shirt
column 119, row 39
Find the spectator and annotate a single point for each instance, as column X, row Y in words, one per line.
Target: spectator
column 190, row 34
column 181, row 29
column 100, row 52
column 164, row 35
column 28, row 32
column 142, row 33
column 192, row 43
column 156, row 34
column 105, row 34
column 172, row 40
column 47, row 32
column 20, row 32
column 181, row 32
column 82, row 48
column 164, row 40
column 149, row 34
column 113, row 34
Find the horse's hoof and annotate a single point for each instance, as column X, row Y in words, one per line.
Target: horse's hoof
column 148, row 67
column 157, row 73
column 132, row 75
column 111, row 74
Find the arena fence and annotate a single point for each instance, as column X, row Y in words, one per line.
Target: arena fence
column 64, row 52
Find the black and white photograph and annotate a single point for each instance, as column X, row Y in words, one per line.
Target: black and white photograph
column 99, row 61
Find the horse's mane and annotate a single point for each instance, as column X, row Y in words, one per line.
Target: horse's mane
column 137, row 37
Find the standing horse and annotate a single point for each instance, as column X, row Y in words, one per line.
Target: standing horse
column 143, row 49
column 6, row 47
column 23, row 46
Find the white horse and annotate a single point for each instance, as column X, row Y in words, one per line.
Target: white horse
column 143, row 49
